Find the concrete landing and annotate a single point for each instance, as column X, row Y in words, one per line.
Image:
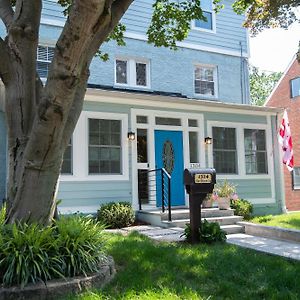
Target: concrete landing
column 277, row 247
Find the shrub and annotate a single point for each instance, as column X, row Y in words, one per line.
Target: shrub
column 80, row 243
column 209, row 232
column 242, row 208
column 31, row 253
column 116, row 215
column 263, row 219
column 2, row 214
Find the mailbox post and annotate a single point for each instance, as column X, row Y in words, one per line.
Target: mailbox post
column 198, row 183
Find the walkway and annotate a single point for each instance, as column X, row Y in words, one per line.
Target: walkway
column 271, row 246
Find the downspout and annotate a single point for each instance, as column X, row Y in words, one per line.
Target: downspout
column 242, row 73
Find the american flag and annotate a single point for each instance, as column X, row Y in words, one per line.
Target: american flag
column 285, row 140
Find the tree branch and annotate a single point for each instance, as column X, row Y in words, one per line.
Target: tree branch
column 6, row 13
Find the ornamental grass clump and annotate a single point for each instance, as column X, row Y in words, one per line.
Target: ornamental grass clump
column 30, row 253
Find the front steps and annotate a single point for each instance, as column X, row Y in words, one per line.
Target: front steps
column 180, row 217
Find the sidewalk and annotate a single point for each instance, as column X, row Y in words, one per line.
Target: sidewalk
column 271, row 246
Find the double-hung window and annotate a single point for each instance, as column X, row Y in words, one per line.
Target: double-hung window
column 205, row 81
column 105, row 147
column 132, row 72
column 44, row 57
column 295, row 87
column 208, row 13
column 225, row 150
column 255, row 151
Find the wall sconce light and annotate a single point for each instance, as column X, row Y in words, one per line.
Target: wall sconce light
column 131, row 136
column 208, row 140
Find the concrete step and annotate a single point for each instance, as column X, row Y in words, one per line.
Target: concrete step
column 182, row 214
column 230, row 229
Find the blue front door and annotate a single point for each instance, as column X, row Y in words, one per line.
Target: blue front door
column 169, row 155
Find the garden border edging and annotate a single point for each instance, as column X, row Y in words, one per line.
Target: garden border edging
column 56, row 289
column 271, row 231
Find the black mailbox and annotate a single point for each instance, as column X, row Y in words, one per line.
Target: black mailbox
column 199, row 181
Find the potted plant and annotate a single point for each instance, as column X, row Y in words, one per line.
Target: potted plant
column 224, row 192
column 208, row 201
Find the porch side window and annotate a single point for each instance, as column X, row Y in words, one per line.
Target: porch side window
column 205, row 80
column 193, row 142
column 225, row 150
column 295, row 87
column 142, row 148
column 296, row 178
column 44, row 57
column 255, row 151
column 67, row 166
column 105, row 150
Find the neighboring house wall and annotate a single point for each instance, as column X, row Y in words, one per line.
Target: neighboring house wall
column 281, row 97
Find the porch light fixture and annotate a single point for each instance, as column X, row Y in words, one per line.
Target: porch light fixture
column 208, row 140
column 131, row 136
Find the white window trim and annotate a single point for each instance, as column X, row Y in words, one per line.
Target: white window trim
column 131, row 72
column 81, row 153
column 215, row 74
column 213, row 20
column 239, row 127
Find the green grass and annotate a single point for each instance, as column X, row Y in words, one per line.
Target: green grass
column 291, row 220
column 151, row 270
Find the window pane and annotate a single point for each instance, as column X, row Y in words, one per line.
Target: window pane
column 193, row 123
column 121, row 71
column 142, row 119
column 205, row 24
column 142, row 151
column 44, row 57
column 42, row 68
column 141, row 78
column 167, row 121
column 255, row 151
column 224, row 150
column 296, row 178
column 104, row 146
column 295, row 87
column 66, row 167
column 193, row 142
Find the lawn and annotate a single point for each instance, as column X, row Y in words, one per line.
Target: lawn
column 151, row 270
column 291, row 220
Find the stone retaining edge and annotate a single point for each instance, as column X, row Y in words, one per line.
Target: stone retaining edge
column 271, row 231
column 57, row 289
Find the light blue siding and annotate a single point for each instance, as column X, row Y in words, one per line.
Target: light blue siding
column 2, row 156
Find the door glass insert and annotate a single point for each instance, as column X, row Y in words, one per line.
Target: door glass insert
column 142, row 149
column 168, row 156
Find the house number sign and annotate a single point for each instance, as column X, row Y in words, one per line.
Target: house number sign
column 203, row 178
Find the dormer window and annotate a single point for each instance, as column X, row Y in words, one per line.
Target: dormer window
column 132, row 73
column 295, row 87
column 209, row 14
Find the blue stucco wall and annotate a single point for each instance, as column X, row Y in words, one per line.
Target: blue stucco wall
column 2, row 156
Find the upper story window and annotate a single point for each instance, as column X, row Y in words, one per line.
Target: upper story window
column 208, row 13
column 255, row 151
column 44, row 57
column 295, row 87
column 132, row 72
column 225, row 150
column 206, row 80
column 296, row 178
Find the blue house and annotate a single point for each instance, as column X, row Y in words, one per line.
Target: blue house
column 169, row 101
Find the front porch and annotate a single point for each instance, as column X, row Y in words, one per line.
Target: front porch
column 180, row 217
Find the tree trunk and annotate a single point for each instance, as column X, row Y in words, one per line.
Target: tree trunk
column 41, row 119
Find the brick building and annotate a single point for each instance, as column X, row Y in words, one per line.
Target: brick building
column 286, row 94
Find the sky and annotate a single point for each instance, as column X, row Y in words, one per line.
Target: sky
column 273, row 49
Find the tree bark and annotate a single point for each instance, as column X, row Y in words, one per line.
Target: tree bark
column 40, row 118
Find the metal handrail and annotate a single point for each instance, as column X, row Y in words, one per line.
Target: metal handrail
column 166, row 189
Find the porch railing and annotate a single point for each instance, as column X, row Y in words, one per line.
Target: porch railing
column 155, row 184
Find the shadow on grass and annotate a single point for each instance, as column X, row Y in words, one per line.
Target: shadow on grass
column 150, row 270
column 291, row 223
